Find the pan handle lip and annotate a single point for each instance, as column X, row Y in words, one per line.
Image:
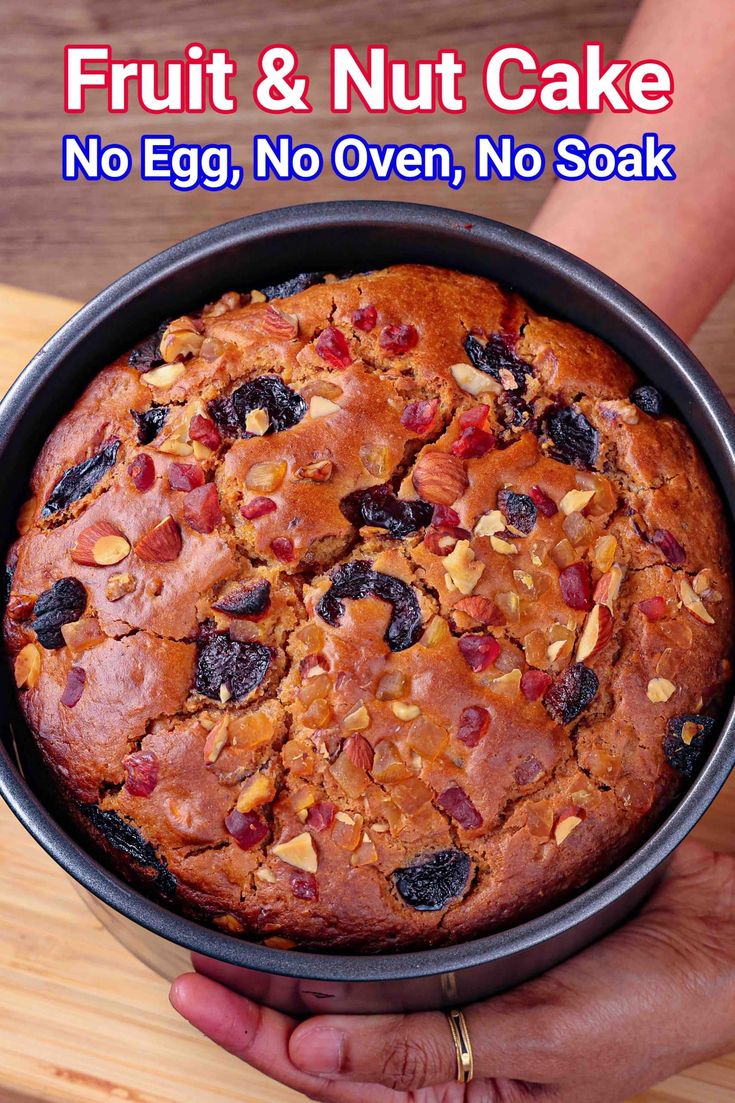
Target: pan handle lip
column 633, row 317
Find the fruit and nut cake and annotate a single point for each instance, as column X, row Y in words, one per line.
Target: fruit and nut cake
column 369, row 612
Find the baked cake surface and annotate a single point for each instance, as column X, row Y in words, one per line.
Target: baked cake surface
column 370, row 612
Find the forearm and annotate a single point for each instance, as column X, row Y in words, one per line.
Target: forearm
column 672, row 243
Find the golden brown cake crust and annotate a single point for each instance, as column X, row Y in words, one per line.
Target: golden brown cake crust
column 329, row 715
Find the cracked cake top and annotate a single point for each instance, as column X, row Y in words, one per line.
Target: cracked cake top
column 370, row 612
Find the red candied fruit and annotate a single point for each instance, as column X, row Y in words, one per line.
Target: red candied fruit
column 257, row 507
column 474, row 723
column 282, row 548
column 304, row 886
column 321, row 815
column 365, row 318
column 474, row 418
column 576, row 586
column 418, row 417
column 544, row 504
column 667, row 543
column 204, row 430
column 473, row 443
column 444, row 517
column 74, row 687
column 654, row 608
column 479, row 652
column 458, row 805
column 142, row 471
column 332, row 347
column 141, row 770
column 246, row 828
column 185, row 476
column 398, row 340
column 201, row 508
column 534, row 684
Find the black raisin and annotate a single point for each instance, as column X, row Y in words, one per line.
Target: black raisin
column 80, row 479
column 7, row 582
column 147, row 354
column 285, row 407
column 249, row 601
column 358, row 580
column 150, row 423
column 63, row 603
column 379, row 506
column 222, row 661
column 648, row 399
column 572, row 692
column 292, row 286
column 518, row 510
column 433, row 881
column 574, row 440
column 497, row 355
column 686, row 757
column 125, row 837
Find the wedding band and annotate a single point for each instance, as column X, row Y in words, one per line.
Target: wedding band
column 462, row 1045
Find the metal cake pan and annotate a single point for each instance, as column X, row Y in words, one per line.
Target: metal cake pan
column 256, row 251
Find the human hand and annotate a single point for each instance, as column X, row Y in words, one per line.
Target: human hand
column 652, row 998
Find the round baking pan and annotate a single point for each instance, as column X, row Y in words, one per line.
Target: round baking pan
column 254, row 252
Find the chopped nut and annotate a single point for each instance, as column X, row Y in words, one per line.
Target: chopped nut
column 118, row 585
column 28, row 666
column 180, row 339
column 216, row 741
column 405, row 711
column 694, row 604
column 298, row 852
column 702, row 582
column 359, row 751
column 267, row 875
column 564, row 827
column 259, row 790
column 165, row 376
column 257, row 297
column 257, row 422
column 660, row 689
column 472, row 380
column 689, row 731
column 279, row 323
column 503, row 547
column 100, row 545
column 463, row 569
column 475, row 610
column 266, row 477
column 318, row 472
column 357, row 720
column 439, row 477
column 490, row 523
column 225, row 693
column 176, row 443
column 574, row 501
column 322, row 407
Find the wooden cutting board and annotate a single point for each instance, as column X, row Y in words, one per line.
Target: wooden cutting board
column 81, row 1020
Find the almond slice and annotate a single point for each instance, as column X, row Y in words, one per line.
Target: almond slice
column 27, row 668
column 100, row 545
column 503, row 547
column 298, row 852
column 596, row 632
column 608, row 587
column 405, row 711
column 472, row 380
column 322, row 407
column 217, row 740
column 694, row 604
column 574, row 501
column 165, row 376
column 564, row 827
column 357, row 720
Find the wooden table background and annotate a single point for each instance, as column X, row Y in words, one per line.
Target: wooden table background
column 81, row 1021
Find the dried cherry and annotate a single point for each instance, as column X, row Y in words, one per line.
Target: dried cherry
column 147, row 354
column 379, row 506
column 574, row 440
column 286, row 288
column 571, row 693
column 686, row 757
column 249, row 600
column 434, row 880
column 246, row 828
column 62, row 603
column 81, row 478
column 455, row 802
column 519, row 510
column 150, row 423
column 358, row 580
column 649, row 399
column 238, row 666
column 141, row 770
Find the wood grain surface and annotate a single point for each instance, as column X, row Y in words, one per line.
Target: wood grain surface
column 81, row 1020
